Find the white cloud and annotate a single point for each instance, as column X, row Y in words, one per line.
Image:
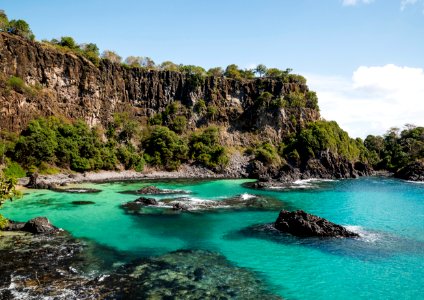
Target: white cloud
column 405, row 3
column 373, row 100
column 355, row 2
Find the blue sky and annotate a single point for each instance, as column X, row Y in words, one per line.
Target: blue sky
column 326, row 40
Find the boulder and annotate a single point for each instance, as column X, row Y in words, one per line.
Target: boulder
column 137, row 204
column 302, row 224
column 413, row 172
column 180, row 206
column 39, row 225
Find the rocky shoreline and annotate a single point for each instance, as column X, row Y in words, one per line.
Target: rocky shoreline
column 51, row 264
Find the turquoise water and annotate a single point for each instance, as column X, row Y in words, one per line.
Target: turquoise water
column 387, row 262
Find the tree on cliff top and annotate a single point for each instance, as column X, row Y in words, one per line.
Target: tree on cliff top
column 112, row 56
column 261, row 69
column 4, row 21
column 21, row 28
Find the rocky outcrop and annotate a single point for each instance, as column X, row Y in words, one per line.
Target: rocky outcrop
column 152, row 190
column 326, row 165
column 413, row 172
column 39, row 225
column 245, row 201
column 61, row 267
column 68, row 85
column 302, row 224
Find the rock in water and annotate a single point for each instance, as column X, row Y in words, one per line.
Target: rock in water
column 150, row 190
column 39, row 225
column 300, row 223
column 414, row 172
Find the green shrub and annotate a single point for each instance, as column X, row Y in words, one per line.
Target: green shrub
column 16, row 83
column 200, row 106
column 3, row 222
column 13, row 169
column 178, row 124
column 165, row 148
column 267, row 154
column 204, row 148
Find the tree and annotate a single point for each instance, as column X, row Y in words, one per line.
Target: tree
column 218, row 72
column 260, row 69
column 7, row 192
column 4, row 21
column 133, row 61
column 232, row 71
column 91, row 52
column 7, row 188
column 111, row 56
column 273, row 72
column 205, row 149
column 21, row 28
column 68, row 42
column 169, row 66
column 165, row 148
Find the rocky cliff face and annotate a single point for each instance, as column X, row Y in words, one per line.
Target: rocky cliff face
column 68, row 85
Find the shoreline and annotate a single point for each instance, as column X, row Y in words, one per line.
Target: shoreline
column 185, row 172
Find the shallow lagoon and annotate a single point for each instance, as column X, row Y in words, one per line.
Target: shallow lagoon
column 386, row 263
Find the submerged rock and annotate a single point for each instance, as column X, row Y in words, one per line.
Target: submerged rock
column 76, row 190
column 185, row 274
column 413, row 172
column 82, row 202
column 57, row 267
column 302, row 224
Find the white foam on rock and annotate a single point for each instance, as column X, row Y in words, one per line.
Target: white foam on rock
column 365, row 235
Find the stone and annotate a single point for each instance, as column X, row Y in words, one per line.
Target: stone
column 302, row 224
column 39, row 225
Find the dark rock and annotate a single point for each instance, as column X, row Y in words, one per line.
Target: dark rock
column 180, row 206
column 146, row 201
column 39, row 225
column 413, row 172
column 300, row 223
column 15, row 226
column 82, row 202
column 136, row 205
column 76, row 190
column 32, row 180
column 152, row 190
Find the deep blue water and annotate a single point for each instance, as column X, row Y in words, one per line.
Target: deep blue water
column 387, row 262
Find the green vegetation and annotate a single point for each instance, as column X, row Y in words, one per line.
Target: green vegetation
column 206, row 150
column 165, row 148
column 172, row 117
column 267, row 154
column 322, row 136
column 7, row 192
column 396, row 149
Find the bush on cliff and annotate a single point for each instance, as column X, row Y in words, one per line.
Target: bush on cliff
column 324, row 136
column 266, row 153
column 396, row 149
column 204, row 148
column 165, row 148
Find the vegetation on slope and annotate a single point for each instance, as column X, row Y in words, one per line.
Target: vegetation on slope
column 396, row 148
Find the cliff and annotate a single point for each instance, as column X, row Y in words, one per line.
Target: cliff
column 68, row 85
